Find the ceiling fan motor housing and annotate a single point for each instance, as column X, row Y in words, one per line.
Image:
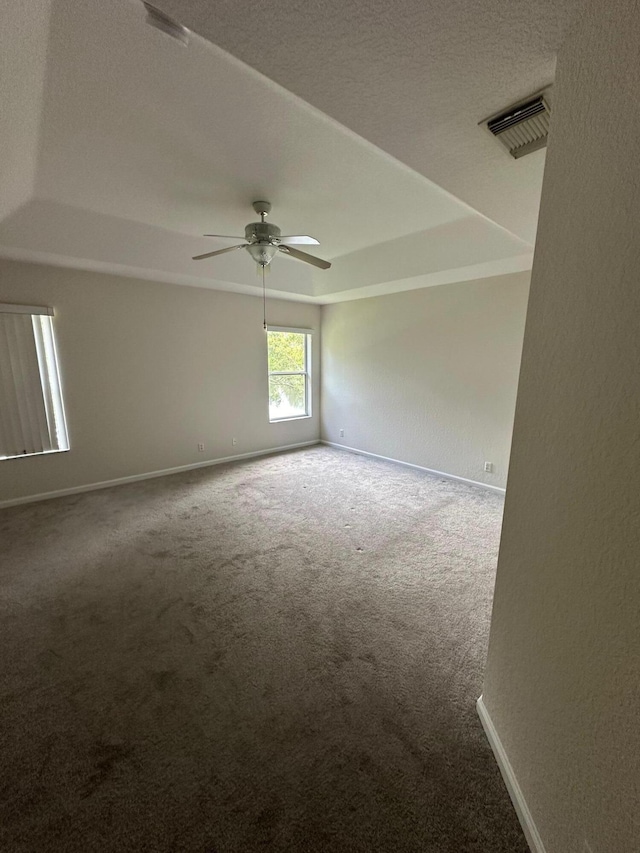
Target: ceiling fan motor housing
column 262, row 232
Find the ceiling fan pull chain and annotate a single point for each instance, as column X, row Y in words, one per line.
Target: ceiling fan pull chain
column 264, row 302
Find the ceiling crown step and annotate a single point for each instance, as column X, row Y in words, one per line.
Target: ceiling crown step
column 161, row 21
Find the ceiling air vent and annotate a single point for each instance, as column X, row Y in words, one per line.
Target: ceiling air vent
column 161, row 21
column 524, row 128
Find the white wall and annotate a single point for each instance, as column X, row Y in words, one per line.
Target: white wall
column 427, row 376
column 149, row 370
column 563, row 673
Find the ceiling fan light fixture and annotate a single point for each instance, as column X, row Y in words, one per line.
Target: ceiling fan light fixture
column 262, row 253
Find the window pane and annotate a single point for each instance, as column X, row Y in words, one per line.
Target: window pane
column 286, row 351
column 286, row 397
column 31, row 412
column 45, row 343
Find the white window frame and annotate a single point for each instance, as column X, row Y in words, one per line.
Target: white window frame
column 308, row 333
column 34, row 418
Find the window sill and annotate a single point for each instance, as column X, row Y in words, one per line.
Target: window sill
column 294, row 418
column 37, row 453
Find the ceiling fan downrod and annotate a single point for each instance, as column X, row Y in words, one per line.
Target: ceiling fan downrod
column 262, row 208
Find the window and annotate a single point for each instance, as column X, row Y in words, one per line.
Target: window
column 289, row 373
column 31, row 411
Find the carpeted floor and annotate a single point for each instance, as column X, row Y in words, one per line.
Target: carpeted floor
column 277, row 655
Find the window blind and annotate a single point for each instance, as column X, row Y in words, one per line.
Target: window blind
column 31, row 409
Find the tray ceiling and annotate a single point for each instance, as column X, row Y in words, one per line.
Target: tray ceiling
column 126, row 147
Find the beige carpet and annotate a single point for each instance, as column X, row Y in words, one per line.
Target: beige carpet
column 278, row 655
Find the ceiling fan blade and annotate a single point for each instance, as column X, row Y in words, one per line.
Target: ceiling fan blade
column 223, row 236
column 303, row 256
column 301, row 240
column 218, row 252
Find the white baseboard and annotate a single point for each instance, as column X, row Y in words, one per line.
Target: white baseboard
column 515, row 792
column 498, row 489
column 106, row 484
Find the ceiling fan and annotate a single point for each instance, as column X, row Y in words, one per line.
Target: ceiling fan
column 264, row 241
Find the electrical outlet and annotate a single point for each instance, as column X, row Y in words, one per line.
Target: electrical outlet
column 488, row 467
column 200, row 447
column 234, row 441
column 341, row 433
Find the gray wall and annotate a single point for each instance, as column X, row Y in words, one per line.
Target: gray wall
column 149, row 370
column 427, row 376
column 563, row 672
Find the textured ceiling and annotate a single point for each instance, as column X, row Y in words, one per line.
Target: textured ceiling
column 24, row 31
column 124, row 147
column 413, row 77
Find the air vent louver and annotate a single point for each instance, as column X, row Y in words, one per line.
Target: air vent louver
column 524, row 128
